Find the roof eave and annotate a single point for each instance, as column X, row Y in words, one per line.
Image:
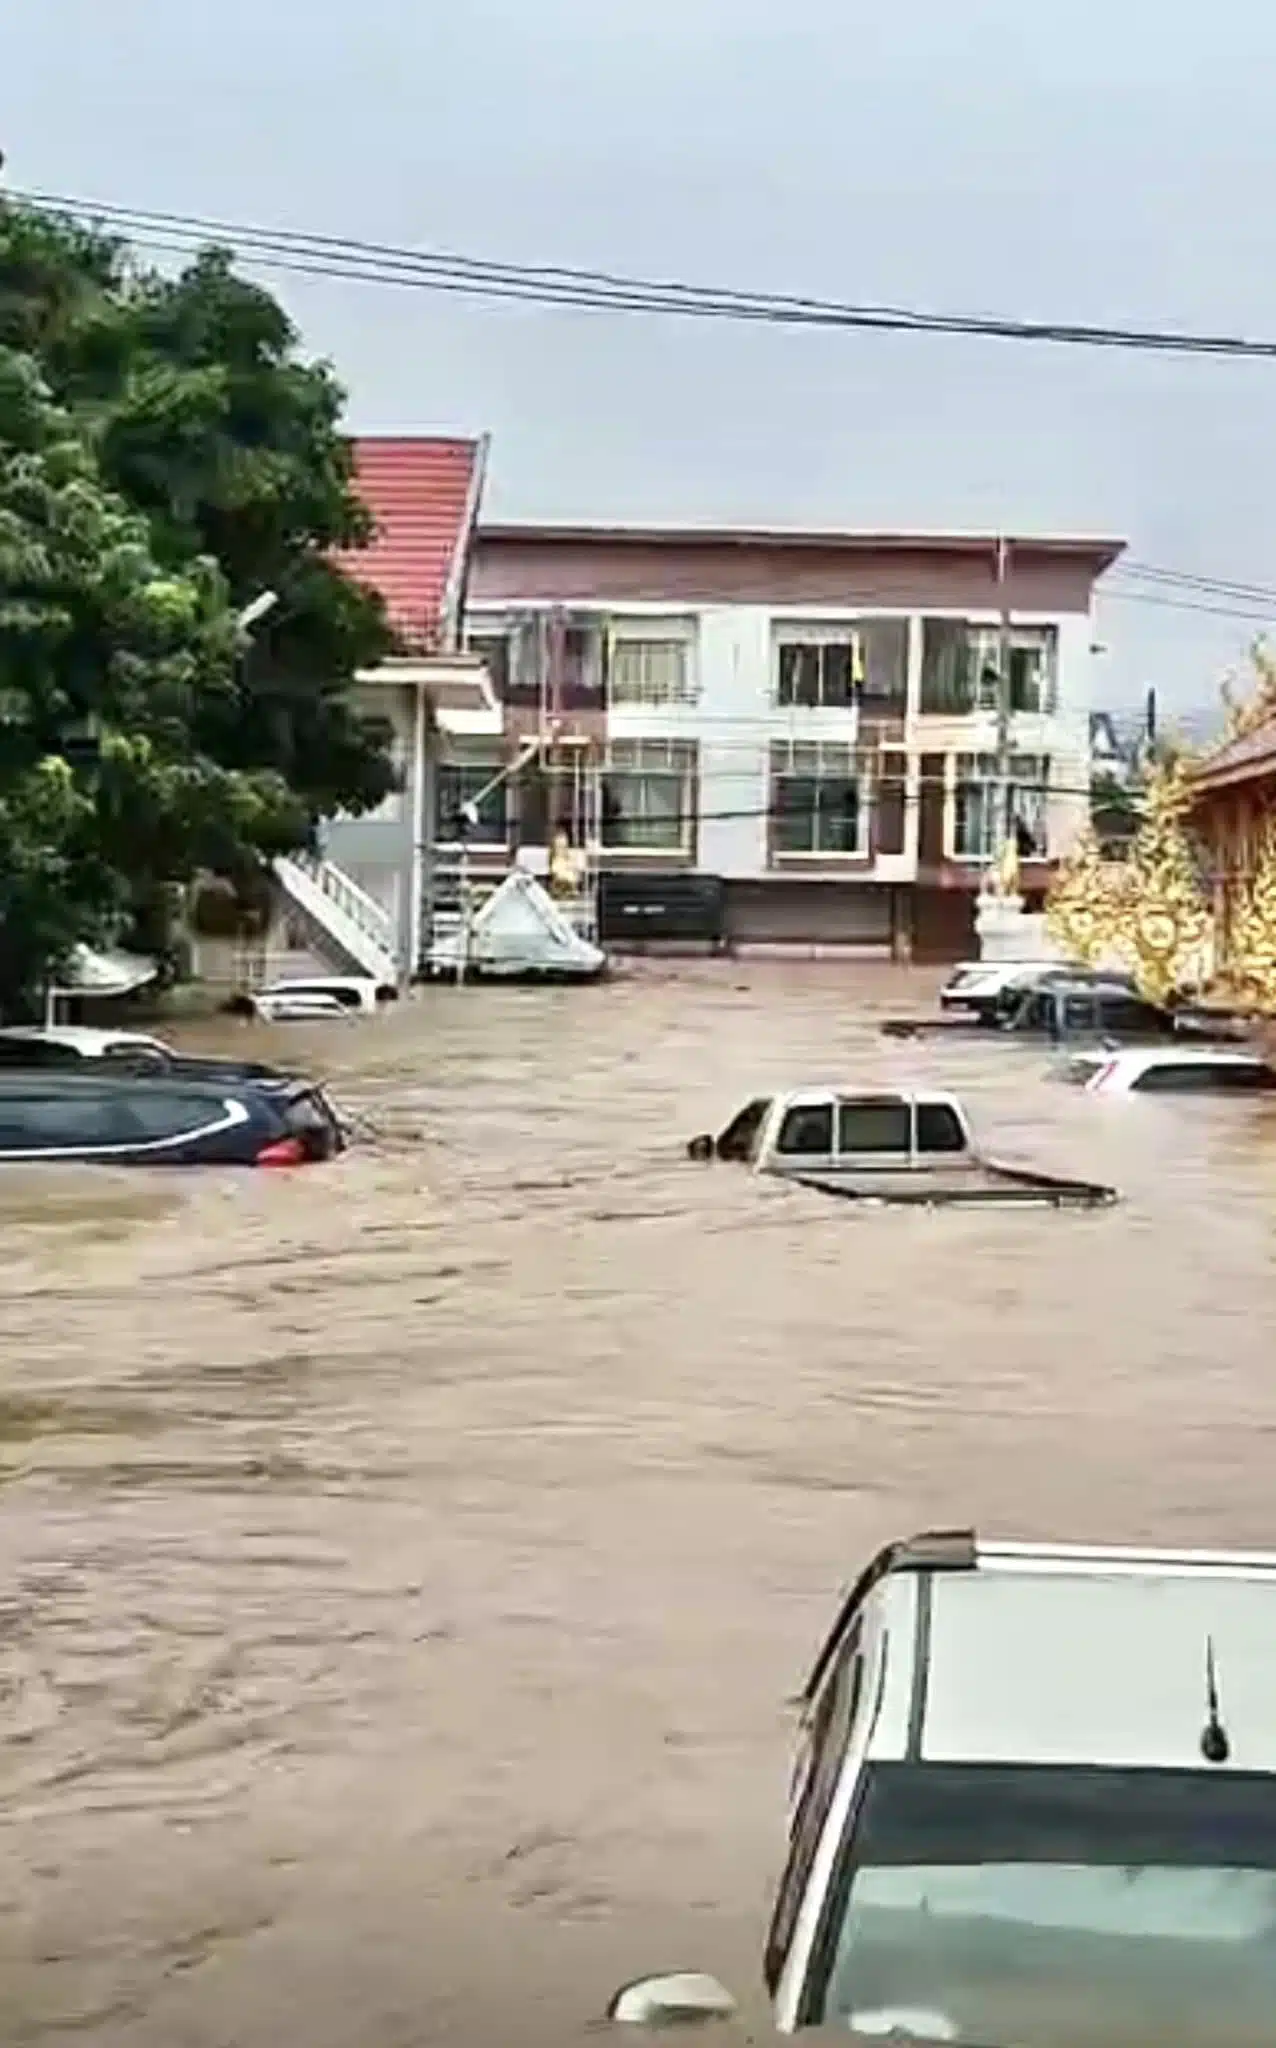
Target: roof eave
column 454, row 590
column 1101, row 548
column 1261, row 769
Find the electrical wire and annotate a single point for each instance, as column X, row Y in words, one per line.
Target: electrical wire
column 354, row 259
column 446, row 271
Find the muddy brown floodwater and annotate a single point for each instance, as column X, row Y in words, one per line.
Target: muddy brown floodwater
column 404, row 1564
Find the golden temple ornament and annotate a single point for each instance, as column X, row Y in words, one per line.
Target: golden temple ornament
column 1243, row 714
column 1249, row 971
column 1161, row 927
column 1084, row 902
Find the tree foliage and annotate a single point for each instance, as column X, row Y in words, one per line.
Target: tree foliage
column 165, row 456
column 106, row 661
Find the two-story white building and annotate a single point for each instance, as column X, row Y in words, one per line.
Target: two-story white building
column 811, row 716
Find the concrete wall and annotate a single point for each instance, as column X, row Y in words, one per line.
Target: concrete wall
column 377, row 849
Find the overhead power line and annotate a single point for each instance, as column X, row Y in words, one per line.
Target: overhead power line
column 1249, row 615
column 356, row 260
column 359, row 260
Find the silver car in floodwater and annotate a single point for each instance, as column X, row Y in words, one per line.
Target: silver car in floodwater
column 1035, row 1807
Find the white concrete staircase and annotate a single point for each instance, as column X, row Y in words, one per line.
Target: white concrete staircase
column 353, row 923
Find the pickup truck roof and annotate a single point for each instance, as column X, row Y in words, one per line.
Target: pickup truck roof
column 900, row 1145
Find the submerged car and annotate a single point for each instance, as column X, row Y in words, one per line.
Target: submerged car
column 912, row 1146
column 67, row 1047
column 1034, row 1807
column 988, row 992
column 110, row 1119
column 1071, row 1006
column 1178, row 1070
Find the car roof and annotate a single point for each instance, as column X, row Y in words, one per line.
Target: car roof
column 1074, row 1654
column 1062, row 981
column 825, row 1091
column 1137, row 1058
column 44, row 1081
column 85, row 1038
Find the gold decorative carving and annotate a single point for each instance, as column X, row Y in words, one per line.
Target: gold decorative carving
column 1245, row 713
column 1148, row 911
column 1083, row 906
column 1249, row 972
column 1162, row 927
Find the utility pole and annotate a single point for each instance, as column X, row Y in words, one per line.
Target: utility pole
column 1001, row 812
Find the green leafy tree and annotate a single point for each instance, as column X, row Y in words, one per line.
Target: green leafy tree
column 109, row 662
column 205, row 418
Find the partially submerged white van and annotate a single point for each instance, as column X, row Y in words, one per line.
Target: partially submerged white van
column 1035, row 1807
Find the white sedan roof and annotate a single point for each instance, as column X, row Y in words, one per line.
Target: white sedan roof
column 89, row 1040
column 1137, row 1059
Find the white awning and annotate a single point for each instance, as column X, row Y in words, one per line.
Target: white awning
column 108, row 973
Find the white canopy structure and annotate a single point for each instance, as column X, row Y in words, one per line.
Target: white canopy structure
column 519, row 931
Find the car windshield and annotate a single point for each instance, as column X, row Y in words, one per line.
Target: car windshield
column 1046, row 1906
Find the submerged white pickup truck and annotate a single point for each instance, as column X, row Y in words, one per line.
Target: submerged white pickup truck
column 911, row 1146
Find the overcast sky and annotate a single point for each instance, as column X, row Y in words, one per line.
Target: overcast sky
column 1104, row 160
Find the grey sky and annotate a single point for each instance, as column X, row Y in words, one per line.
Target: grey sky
column 1089, row 161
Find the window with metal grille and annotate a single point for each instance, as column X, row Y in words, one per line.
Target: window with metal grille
column 651, row 671
column 975, row 822
column 460, row 781
column 648, row 797
column 819, row 799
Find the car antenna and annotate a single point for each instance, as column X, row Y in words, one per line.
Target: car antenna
column 1215, row 1744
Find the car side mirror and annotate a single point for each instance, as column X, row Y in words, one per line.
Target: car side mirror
column 701, row 1148
column 683, row 1998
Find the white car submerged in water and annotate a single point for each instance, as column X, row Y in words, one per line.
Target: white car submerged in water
column 1034, row 1807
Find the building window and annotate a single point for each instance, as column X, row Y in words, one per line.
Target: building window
column 975, row 833
column 819, row 800
column 651, row 672
column 818, row 673
column 831, row 667
column 961, row 667
column 460, row 780
column 492, row 646
column 648, row 797
column 548, row 656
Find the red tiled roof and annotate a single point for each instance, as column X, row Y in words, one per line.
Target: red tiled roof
column 1251, row 757
column 423, row 494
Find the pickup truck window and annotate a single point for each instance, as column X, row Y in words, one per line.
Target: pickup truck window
column 939, row 1128
column 1126, row 1014
column 737, row 1141
column 1078, row 1013
column 807, row 1129
column 874, row 1125
column 1034, row 1012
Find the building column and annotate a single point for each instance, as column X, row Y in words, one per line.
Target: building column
column 416, row 880
column 902, row 907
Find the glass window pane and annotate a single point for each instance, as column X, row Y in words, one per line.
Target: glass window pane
column 874, row 1126
column 939, row 1128
column 837, row 814
column 807, row 1130
column 795, row 797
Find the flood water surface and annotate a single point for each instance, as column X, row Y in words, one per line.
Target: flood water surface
column 404, row 1564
